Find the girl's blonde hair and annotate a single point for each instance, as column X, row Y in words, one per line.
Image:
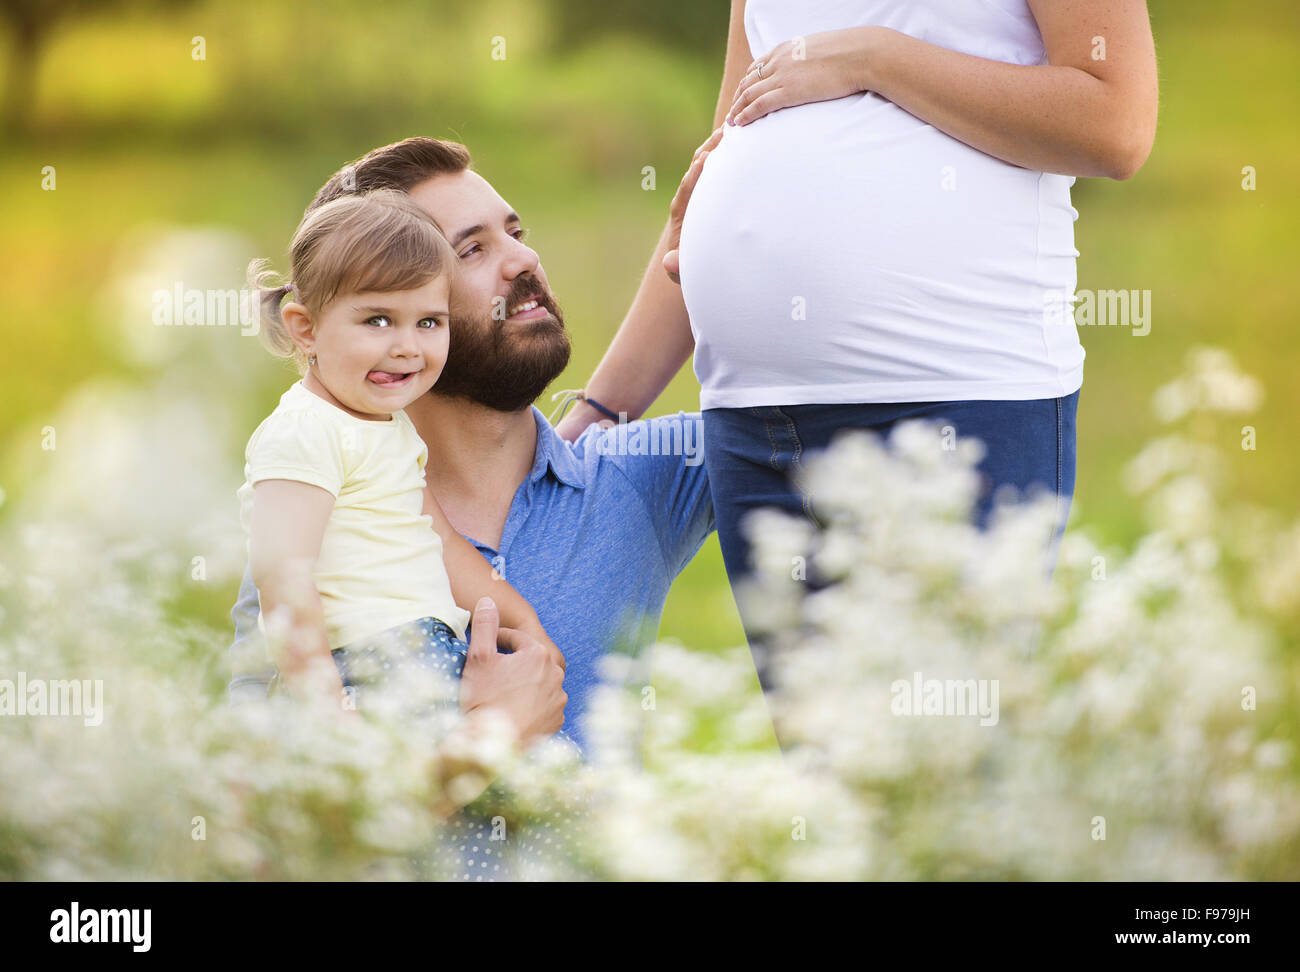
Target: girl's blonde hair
column 380, row 241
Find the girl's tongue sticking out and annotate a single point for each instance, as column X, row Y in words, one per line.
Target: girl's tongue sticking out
column 389, row 377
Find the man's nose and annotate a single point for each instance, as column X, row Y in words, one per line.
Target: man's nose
column 520, row 259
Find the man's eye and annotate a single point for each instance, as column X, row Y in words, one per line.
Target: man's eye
column 378, row 317
column 520, row 234
column 470, row 251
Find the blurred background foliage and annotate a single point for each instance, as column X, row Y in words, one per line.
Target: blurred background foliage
column 171, row 168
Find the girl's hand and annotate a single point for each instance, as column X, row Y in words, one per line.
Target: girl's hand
column 819, row 67
column 677, row 210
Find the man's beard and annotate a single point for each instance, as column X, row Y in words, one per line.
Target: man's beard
column 502, row 365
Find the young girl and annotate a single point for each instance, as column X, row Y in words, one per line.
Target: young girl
column 345, row 542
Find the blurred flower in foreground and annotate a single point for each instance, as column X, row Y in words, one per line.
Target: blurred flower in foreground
column 946, row 710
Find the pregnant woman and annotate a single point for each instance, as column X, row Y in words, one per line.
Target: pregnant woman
column 883, row 231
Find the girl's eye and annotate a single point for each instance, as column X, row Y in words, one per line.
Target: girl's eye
column 378, row 317
column 430, row 322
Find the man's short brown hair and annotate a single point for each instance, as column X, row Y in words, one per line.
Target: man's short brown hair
column 401, row 166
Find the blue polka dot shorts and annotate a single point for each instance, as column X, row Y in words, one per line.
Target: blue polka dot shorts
column 416, row 667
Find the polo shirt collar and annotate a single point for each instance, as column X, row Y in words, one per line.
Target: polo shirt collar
column 554, row 453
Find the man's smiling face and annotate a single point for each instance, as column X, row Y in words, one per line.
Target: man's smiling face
column 508, row 340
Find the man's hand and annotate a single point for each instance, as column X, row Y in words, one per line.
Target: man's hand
column 677, row 211
column 526, row 685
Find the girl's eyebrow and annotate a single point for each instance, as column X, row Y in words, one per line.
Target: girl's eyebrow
column 390, row 311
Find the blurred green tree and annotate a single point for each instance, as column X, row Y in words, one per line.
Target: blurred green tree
column 30, row 24
column 690, row 25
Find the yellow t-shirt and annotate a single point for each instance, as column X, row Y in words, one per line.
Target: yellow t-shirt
column 380, row 562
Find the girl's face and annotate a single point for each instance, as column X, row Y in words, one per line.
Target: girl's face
column 378, row 352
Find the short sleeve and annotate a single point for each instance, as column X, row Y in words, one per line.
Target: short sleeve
column 675, row 486
column 300, row 445
column 418, row 446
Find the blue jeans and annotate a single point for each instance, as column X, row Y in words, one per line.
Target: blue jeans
column 751, row 453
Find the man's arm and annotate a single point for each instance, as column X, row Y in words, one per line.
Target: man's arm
column 674, row 487
column 655, row 338
column 521, row 691
column 472, row 578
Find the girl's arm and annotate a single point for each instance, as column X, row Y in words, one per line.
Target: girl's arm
column 1091, row 111
column 287, row 525
column 655, row 338
column 473, row 578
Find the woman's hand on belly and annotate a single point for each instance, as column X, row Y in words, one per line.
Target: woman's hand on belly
column 677, row 211
column 819, row 67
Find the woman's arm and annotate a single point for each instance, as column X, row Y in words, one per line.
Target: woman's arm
column 286, row 528
column 473, row 578
column 1091, row 111
column 655, row 338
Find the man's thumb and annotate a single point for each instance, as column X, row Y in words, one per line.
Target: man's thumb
column 483, row 629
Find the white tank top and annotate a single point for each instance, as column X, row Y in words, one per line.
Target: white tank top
column 846, row 251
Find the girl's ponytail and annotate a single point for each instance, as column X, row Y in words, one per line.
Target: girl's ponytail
column 267, row 296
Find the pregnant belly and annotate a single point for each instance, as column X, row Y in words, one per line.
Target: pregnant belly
column 848, row 238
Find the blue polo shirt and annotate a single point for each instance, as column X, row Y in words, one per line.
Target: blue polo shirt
column 596, row 534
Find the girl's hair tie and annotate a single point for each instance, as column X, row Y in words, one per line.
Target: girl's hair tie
column 288, row 288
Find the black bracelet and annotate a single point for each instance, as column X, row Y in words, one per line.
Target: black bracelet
column 600, row 408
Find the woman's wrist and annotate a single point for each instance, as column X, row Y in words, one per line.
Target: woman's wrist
column 873, row 47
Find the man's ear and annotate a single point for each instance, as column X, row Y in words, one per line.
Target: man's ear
column 301, row 328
